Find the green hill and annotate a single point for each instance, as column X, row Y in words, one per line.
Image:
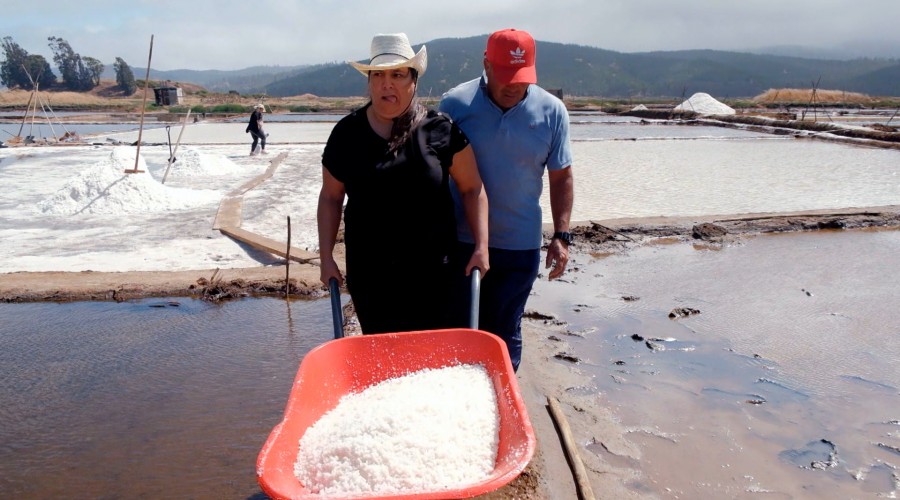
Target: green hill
column 578, row 71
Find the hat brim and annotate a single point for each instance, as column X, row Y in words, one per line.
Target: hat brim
column 509, row 76
column 418, row 62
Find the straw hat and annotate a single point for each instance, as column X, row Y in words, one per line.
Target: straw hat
column 392, row 51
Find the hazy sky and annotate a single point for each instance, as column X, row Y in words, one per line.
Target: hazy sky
column 222, row 34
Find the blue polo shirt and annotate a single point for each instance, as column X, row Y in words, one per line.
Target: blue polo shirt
column 512, row 149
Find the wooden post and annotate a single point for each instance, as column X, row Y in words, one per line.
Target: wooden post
column 25, row 114
column 287, row 266
column 582, row 482
column 137, row 153
column 34, row 91
column 177, row 142
column 34, row 104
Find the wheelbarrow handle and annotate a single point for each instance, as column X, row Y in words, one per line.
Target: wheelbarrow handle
column 475, row 297
column 337, row 316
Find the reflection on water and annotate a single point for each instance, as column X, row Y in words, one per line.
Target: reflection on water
column 161, row 398
column 796, row 341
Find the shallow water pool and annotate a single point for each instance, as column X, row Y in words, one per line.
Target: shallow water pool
column 159, row 398
column 782, row 384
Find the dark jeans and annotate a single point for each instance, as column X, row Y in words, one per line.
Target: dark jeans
column 258, row 137
column 504, row 291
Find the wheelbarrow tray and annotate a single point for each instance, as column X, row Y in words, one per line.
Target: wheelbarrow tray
column 352, row 364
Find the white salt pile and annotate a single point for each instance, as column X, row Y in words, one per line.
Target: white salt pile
column 430, row 430
column 105, row 188
column 705, row 104
column 192, row 163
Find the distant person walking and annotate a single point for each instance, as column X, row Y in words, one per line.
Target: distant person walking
column 255, row 128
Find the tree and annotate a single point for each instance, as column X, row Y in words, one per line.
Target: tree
column 124, row 76
column 95, row 69
column 40, row 70
column 76, row 74
column 12, row 73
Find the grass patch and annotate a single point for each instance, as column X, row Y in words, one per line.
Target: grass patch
column 806, row 96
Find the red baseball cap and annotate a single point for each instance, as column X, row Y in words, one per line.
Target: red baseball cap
column 511, row 54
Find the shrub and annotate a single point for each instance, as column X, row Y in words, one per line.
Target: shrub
column 228, row 108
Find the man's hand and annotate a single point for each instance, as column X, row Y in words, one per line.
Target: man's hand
column 557, row 258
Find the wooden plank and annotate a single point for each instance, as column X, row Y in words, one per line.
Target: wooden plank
column 229, row 214
column 256, row 181
column 228, row 221
column 269, row 245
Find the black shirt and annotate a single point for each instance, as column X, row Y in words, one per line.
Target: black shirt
column 400, row 198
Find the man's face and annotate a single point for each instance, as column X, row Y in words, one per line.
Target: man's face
column 504, row 96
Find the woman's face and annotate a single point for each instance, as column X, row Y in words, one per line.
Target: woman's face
column 392, row 91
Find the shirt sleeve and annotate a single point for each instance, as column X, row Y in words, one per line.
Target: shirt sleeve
column 442, row 136
column 333, row 157
column 560, row 155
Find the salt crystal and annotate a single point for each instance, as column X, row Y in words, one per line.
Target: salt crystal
column 430, row 430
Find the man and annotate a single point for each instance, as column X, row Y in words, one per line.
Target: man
column 517, row 130
column 255, row 128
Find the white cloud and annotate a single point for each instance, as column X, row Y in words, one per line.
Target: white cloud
column 209, row 34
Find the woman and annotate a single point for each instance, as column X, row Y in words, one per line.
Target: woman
column 394, row 160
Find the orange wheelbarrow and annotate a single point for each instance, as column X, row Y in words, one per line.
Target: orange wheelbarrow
column 352, row 364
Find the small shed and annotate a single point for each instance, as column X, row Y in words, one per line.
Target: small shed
column 557, row 92
column 167, row 96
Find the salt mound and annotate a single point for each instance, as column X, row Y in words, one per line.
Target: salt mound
column 705, row 104
column 193, row 163
column 640, row 107
column 432, row 429
column 105, row 188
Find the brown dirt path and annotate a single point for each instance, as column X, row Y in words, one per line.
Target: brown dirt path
column 591, row 237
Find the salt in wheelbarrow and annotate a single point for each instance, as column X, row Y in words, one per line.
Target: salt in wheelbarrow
column 348, row 365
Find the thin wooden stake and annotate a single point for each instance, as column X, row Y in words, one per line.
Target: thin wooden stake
column 892, row 116
column 582, row 482
column 287, row 267
column 137, row 154
column 177, row 142
column 27, row 110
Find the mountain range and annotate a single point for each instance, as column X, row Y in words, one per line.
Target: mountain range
column 579, row 71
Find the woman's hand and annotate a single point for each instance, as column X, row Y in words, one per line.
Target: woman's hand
column 479, row 259
column 329, row 269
